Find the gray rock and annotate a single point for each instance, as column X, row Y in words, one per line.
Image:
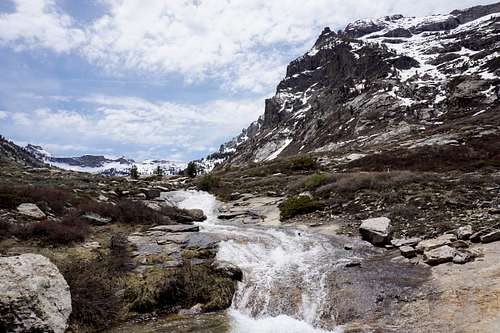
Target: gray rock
column 463, row 257
column 377, row 231
column 492, row 236
column 34, row 297
column 464, row 233
column 195, row 310
column 31, row 210
column 433, row 243
column 406, row 241
column 439, row 255
column 476, row 237
column 176, row 228
column 228, row 269
column 96, row 219
column 197, row 214
column 408, row 251
column 151, row 193
column 459, row 244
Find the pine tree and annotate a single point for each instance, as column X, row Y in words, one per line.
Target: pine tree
column 191, row 170
column 134, row 173
column 158, row 171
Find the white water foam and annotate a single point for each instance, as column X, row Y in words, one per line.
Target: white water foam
column 285, row 285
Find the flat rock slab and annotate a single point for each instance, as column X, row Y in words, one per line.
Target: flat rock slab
column 429, row 244
column 439, row 255
column 491, row 237
column 176, row 228
column 31, row 210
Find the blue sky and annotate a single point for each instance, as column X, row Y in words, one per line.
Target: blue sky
column 157, row 78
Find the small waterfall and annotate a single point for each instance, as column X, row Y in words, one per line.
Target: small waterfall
column 285, row 286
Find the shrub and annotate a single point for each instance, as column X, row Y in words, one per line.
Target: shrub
column 299, row 205
column 55, row 198
column 11, row 200
column 352, row 182
column 119, row 259
column 208, row 182
column 126, row 212
column 304, row 162
column 95, row 296
column 70, row 229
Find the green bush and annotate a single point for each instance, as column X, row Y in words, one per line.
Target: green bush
column 305, row 162
column 299, row 205
column 315, row 181
column 208, row 182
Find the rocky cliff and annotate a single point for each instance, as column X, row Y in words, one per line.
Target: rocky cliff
column 385, row 83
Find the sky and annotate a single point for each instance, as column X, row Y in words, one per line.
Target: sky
column 150, row 79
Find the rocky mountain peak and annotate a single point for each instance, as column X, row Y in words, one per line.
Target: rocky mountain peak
column 390, row 80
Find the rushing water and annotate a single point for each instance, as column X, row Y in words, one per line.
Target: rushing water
column 285, row 285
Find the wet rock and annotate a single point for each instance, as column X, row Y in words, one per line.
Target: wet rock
column 228, row 269
column 151, row 193
column 408, row 251
column 377, row 231
column 429, row 244
column 176, row 228
column 492, row 236
column 439, row 255
column 31, row 210
column 465, row 232
column 96, row 219
column 197, row 214
column 195, row 310
column 34, row 297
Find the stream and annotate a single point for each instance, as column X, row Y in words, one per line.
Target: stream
column 293, row 281
column 285, row 271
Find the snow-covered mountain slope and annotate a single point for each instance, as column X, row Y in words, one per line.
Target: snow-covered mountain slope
column 381, row 81
column 106, row 166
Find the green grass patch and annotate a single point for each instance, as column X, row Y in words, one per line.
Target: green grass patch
column 299, row 205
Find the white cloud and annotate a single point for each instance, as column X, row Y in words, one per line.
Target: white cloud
column 247, row 44
column 3, row 114
column 38, row 23
column 135, row 121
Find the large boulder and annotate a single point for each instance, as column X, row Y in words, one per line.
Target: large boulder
column 197, row 214
column 377, row 231
column 34, row 297
column 31, row 210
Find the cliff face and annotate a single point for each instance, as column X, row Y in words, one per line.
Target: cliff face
column 394, row 80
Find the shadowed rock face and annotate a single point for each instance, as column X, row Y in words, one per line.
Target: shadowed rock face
column 378, row 80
